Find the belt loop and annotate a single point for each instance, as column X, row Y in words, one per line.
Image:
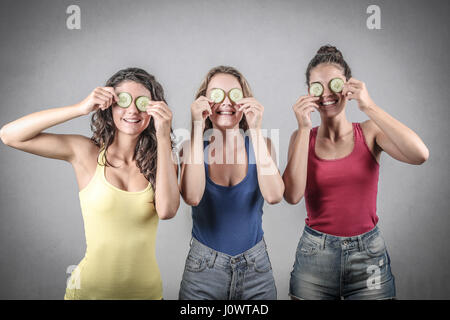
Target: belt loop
column 212, row 258
column 360, row 243
column 190, row 242
column 324, row 236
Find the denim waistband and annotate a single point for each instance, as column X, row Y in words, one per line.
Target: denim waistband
column 358, row 240
column 247, row 255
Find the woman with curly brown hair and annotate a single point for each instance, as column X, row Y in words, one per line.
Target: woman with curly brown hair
column 126, row 178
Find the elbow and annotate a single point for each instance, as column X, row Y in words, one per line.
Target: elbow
column 292, row 199
column 168, row 211
column 425, row 156
column 191, row 200
column 166, row 214
column 4, row 136
column 422, row 157
column 274, row 199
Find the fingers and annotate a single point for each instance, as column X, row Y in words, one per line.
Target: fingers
column 246, row 106
column 104, row 97
column 161, row 108
column 112, row 91
column 102, row 101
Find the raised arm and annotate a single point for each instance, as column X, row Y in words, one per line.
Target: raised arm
column 269, row 179
column 396, row 139
column 295, row 174
column 26, row 133
column 167, row 194
column 192, row 176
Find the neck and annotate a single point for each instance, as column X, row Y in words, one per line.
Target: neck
column 123, row 147
column 335, row 127
column 229, row 136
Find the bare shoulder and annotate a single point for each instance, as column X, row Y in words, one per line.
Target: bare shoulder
column 85, row 150
column 370, row 129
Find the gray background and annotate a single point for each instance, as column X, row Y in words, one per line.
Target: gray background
column 43, row 64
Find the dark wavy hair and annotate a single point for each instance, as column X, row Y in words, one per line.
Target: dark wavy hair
column 103, row 128
column 328, row 54
column 246, row 91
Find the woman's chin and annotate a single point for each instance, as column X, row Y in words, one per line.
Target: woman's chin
column 224, row 125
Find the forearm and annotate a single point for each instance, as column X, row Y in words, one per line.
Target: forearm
column 31, row 125
column 269, row 179
column 193, row 175
column 167, row 195
column 295, row 174
column 405, row 139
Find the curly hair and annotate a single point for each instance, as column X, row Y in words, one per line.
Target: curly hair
column 103, row 128
column 247, row 92
column 328, row 54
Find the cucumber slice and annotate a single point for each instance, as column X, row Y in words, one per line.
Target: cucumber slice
column 217, row 95
column 316, row 89
column 142, row 102
column 336, row 85
column 235, row 94
column 124, row 99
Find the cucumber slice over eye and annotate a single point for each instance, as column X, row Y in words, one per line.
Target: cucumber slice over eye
column 217, row 95
column 142, row 102
column 124, row 99
column 235, row 94
column 336, row 85
column 316, row 89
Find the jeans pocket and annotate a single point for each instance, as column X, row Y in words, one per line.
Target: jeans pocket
column 307, row 246
column 375, row 245
column 262, row 263
column 195, row 263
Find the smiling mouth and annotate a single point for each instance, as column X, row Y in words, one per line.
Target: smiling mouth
column 226, row 113
column 132, row 120
column 329, row 103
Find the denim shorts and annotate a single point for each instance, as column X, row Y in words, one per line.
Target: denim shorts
column 213, row 275
column 330, row 267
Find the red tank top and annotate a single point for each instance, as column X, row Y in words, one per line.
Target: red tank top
column 341, row 194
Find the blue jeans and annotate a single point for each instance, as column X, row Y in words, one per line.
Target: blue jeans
column 329, row 267
column 213, row 275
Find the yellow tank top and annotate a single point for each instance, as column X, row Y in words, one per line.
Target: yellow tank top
column 120, row 229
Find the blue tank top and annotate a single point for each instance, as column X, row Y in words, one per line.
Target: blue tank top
column 229, row 219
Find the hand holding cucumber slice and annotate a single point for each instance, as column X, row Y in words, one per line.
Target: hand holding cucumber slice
column 336, row 85
column 316, row 89
column 217, row 95
column 235, row 94
column 124, row 99
column 142, row 102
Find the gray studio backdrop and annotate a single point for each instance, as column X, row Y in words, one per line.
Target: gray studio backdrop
column 44, row 64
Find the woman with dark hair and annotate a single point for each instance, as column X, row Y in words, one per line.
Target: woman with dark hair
column 126, row 176
column 228, row 257
column 341, row 253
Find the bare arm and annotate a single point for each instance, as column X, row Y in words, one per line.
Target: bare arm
column 26, row 133
column 167, row 194
column 295, row 174
column 399, row 141
column 269, row 179
column 192, row 177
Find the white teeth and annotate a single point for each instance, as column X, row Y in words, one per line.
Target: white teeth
column 328, row 103
column 132, row 120
column 225, row 112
